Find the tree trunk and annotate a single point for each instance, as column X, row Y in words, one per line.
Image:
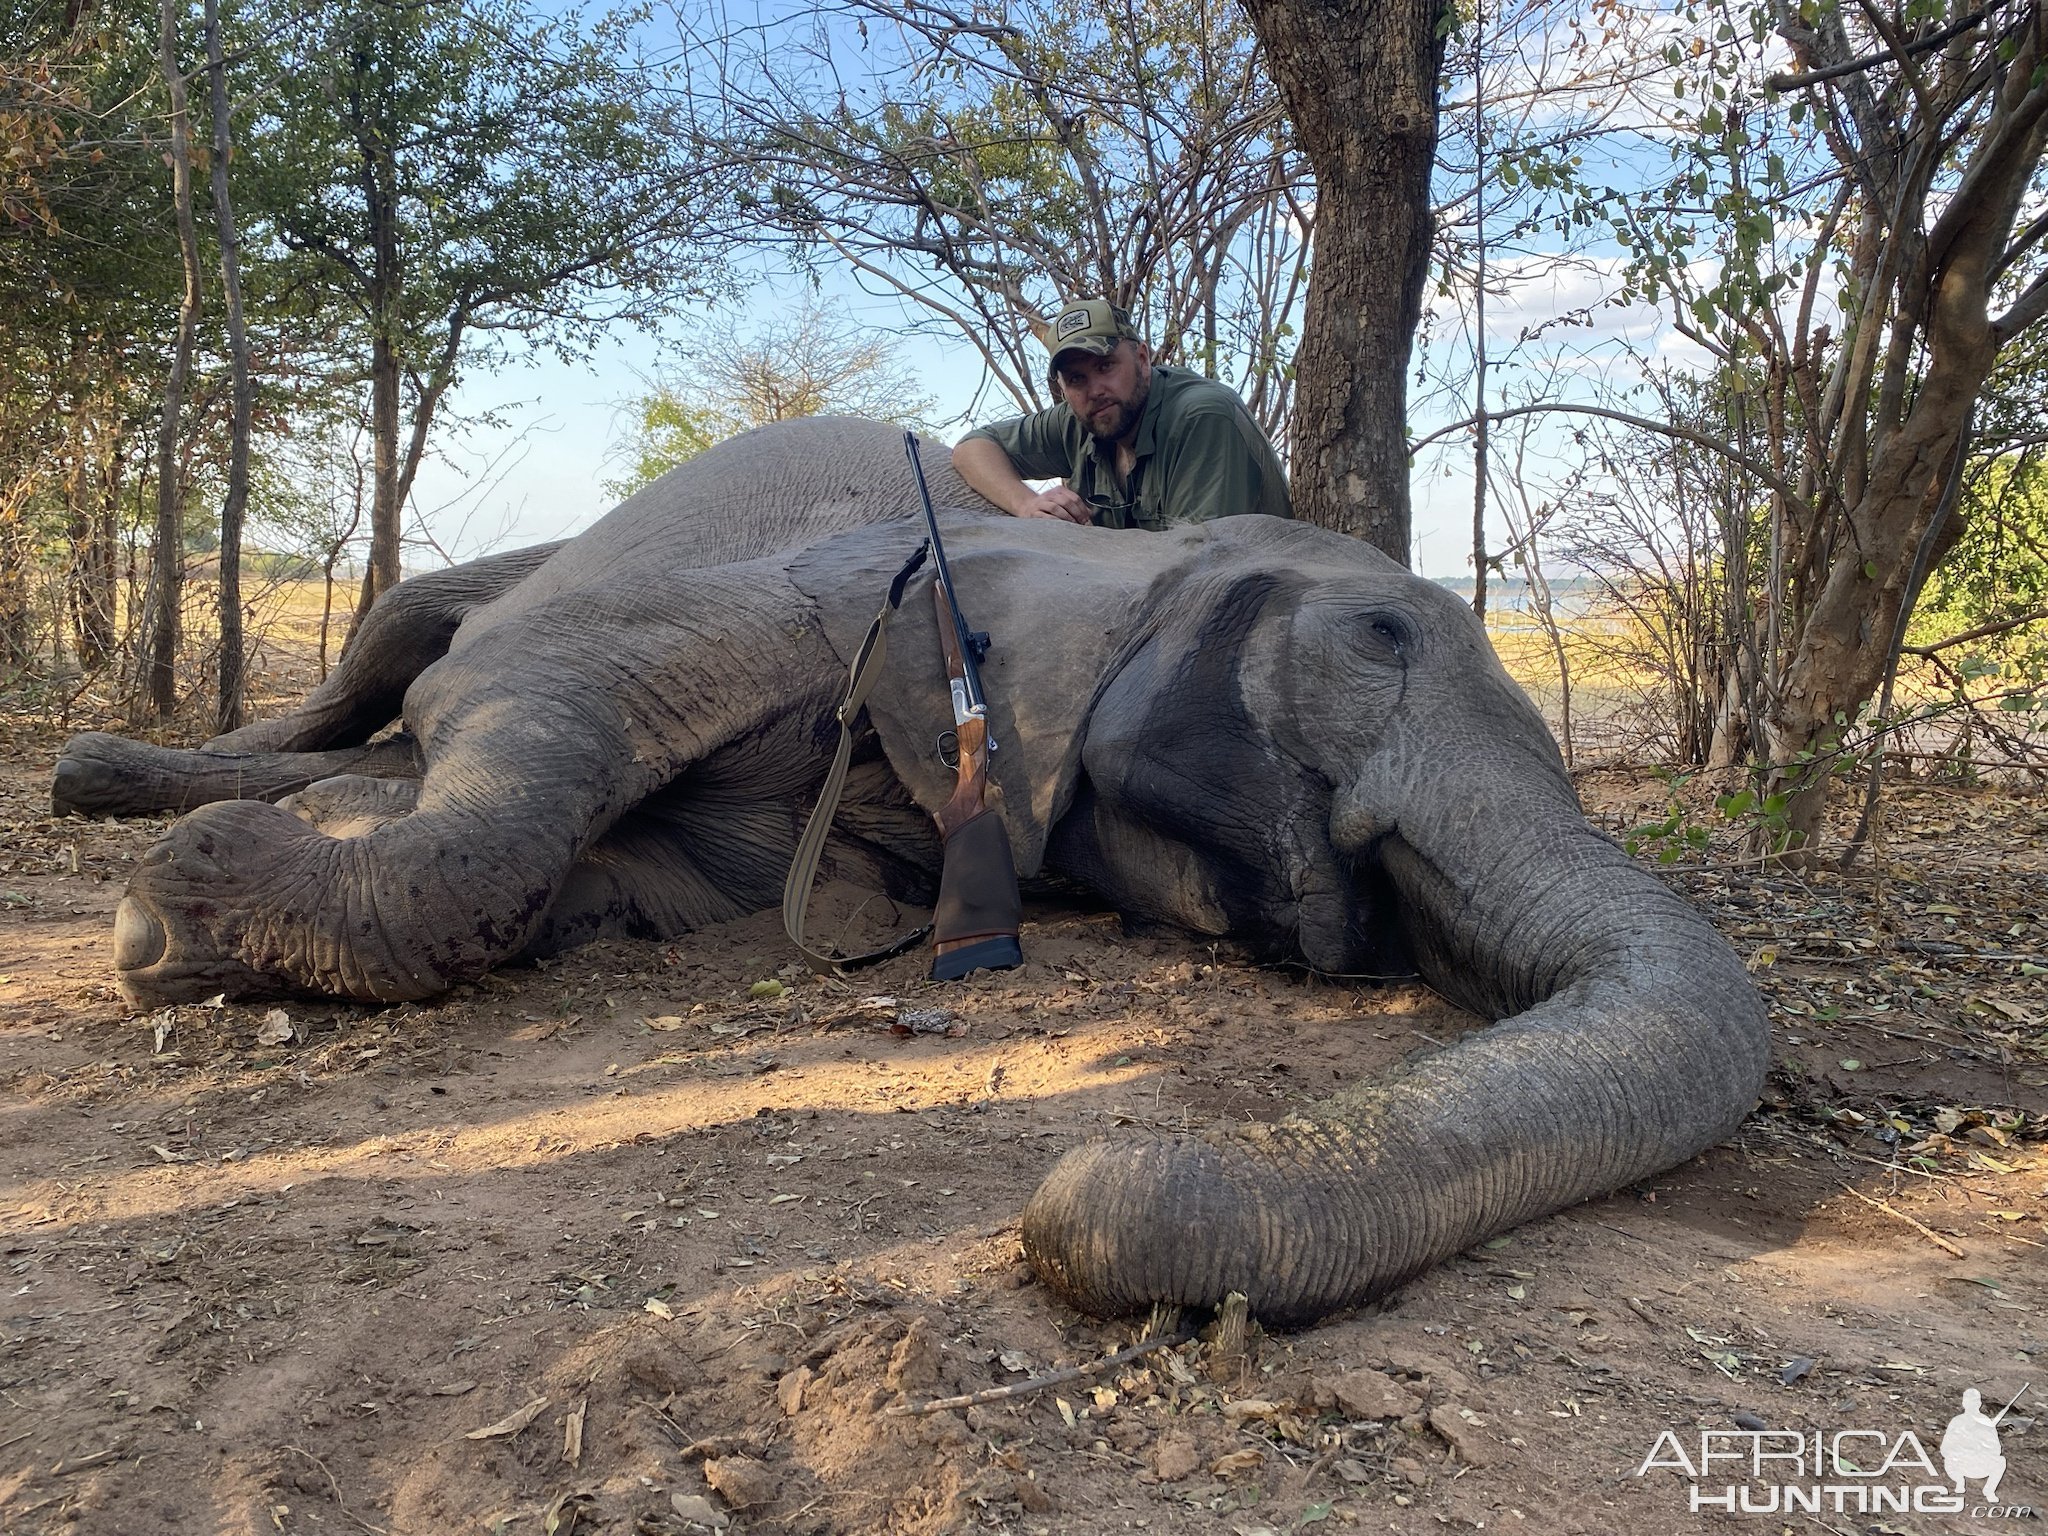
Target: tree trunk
column 160, row 654
column 335, row 549
column 1480, row 466
column 1360, row 84
column 1887, row 416
column 1845, row 644
column 104, row 576
column 1873, row 577
column 380, row 207
column 229, row 713
column 90, row 492
column 16, row 638
column 92, row 439
column 381, row 573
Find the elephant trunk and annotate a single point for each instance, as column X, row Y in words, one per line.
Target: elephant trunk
column 1633, row 1041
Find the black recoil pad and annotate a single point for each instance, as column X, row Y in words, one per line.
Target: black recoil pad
column 977, row 900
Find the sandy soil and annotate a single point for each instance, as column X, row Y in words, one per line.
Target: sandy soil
column 618, row 1245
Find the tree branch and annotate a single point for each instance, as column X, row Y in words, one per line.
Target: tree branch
column 1982, row 631
column 2025, row 310
column 1794, row 82
column 1762, row 471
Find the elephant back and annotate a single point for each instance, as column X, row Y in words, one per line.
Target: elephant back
column 779, row 487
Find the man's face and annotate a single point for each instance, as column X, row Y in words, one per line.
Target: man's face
column 1107, row 394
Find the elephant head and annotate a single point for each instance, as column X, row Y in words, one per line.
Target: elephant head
column 1261, row 730
column 1327, row 753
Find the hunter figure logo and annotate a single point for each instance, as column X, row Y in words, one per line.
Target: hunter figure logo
column 1843, row 1471
column 1969, row 1447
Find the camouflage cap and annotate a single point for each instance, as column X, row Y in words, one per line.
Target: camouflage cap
column 1088, row 325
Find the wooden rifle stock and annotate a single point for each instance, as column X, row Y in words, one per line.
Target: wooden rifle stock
column 970, row 786
column 974, row 926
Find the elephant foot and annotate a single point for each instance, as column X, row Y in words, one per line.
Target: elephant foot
column 102, row 775
column 158, row 962
column 234, row 899
column 245, row 898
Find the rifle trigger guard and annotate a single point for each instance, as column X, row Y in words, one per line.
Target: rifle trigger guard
column 948, row 744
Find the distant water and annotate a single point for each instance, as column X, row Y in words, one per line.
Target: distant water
column 1570, row 597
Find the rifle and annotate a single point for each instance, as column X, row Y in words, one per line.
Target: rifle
column 974, row 926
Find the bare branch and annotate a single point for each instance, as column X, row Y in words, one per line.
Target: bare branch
column 1981, row 632
column 1794, row 82
column 1762, row 471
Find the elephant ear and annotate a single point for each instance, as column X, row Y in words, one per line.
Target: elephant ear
column 1057, row 602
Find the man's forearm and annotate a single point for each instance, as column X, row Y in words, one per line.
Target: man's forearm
column 982, row 463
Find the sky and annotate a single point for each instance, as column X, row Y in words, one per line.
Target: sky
column 540, row 475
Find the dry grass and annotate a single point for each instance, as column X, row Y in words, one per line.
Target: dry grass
column 1610, row 686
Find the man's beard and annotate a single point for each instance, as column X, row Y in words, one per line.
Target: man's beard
column 1126, row 418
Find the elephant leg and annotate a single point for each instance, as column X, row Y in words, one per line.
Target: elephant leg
column 101, row 775
column 538, row 735
column 351, row 804
column 406, row 631
column 695, row 855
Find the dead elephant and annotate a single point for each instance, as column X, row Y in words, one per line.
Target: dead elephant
column 1250, row 728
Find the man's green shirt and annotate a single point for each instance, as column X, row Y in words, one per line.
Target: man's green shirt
column 1199, row 455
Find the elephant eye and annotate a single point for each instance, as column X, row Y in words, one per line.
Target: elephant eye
column 1391, row 631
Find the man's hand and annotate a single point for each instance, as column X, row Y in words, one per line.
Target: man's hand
column 1060, row 501
column 984, row 465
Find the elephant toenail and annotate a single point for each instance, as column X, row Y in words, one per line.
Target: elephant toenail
column 139, row 939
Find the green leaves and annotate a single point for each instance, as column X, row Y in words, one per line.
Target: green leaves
column 668, row 430
column 463, row 169
column 808, row 362
column 1757, row 819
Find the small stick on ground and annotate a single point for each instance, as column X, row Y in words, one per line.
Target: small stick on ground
column 1834, row 1151
column 746, row 1443
column 1040, row 1383
column 572, row 1433
column 83, row 1463
column 1924, row 1230
column 335, row 1488
column 1944, row 951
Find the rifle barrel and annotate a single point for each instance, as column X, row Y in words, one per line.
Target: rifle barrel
column 963, row 636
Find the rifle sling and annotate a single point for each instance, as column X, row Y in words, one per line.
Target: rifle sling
column 810, row 849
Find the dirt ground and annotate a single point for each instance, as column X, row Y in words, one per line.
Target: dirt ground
column 619, row 1244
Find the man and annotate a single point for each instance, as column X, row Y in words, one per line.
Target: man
column 1137, row 446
